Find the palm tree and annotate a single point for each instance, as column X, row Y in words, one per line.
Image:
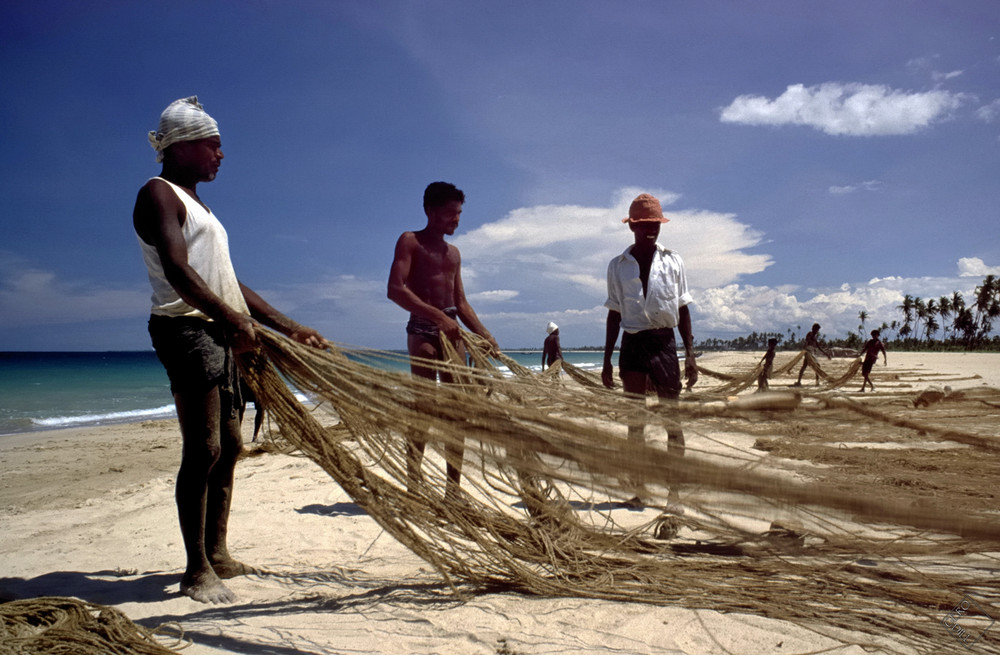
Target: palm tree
column 907, row 309
column 931, row 311
column 965, row 323
column 920, row 310
column 944, row 311
column 991, row 315
column 931, row 325
column 957, row 306
column 984, row 297
column 863, row 316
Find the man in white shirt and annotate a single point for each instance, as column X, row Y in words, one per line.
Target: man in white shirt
column 647, row 298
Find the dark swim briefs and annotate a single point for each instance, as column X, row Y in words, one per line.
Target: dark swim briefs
column 868, row 365
column 653, row 352
column 197, row 358
column 426, row 328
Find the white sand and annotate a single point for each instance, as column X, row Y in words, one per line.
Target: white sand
column 90, row 513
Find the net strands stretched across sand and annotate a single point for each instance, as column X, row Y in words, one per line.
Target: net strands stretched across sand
column 53, row 625
column 735, row 383
column 542, row 459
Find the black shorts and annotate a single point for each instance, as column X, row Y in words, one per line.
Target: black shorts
column 426, row 328
column 868, row 365
column 653, row 352
column 196, row 357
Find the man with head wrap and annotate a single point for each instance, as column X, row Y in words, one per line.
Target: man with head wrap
column 551, row 350
column 201, row 315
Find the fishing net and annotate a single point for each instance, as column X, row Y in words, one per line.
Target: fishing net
column 848, row 516
column 54, row 625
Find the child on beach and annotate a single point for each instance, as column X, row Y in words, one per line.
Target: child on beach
column 768, row 362
column 813, row 346
column 871, row 350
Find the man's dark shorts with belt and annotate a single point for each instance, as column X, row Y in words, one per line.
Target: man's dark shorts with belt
column 196, row 356
column 653, row 352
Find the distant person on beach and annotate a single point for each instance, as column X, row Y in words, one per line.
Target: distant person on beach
column 768, row 361
column 201, row 315
column 871, row 349
column 647, row 298
column 426, row 280
column 551, row 351
column 813, row 346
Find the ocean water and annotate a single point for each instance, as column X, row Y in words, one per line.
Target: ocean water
column 50, row 390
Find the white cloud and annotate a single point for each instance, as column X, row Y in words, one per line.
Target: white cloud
column 975, row 267
column 32, row 296
column 739, row 309
column 528, row 286
column 869, row 185
column 495, row 295
column 989, row 113
column 942, row 77
column 558, row 249
column 555, row 259
column 922, row 64
column 846, row 109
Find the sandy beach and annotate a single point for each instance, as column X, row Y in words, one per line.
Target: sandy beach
column 90, row 513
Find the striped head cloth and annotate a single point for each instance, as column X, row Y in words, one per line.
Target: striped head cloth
column 182, row 120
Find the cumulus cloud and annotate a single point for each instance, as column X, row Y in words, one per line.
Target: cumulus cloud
column 975, row 267
column 549, row 262
column 846, row 109
column 739, row 309
column 559, row 249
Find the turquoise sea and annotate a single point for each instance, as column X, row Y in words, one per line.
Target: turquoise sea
column 49, row 390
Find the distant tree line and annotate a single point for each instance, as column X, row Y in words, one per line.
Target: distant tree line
column 945, row 323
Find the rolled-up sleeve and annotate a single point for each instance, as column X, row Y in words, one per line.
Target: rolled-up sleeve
column 684, row 296
column 614, row 301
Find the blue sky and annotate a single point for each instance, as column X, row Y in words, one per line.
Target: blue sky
column 816, row 159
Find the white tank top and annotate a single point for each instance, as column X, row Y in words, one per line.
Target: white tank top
column 208, row 254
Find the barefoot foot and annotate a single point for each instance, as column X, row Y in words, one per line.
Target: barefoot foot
column 206, row 587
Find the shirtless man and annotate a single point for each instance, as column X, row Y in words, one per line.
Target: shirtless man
column 201, row 315
column 871, row 350
column 812, row 347
column 426, row 280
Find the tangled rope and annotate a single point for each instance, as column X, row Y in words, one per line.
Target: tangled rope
column 53, row 625
column 543, row 460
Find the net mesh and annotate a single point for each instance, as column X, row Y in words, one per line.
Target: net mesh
column 863, row 521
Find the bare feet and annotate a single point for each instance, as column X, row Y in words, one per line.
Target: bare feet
column 206, row 587
column 230, row 568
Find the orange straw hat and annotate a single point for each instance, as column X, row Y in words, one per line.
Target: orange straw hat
column 645, row 209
